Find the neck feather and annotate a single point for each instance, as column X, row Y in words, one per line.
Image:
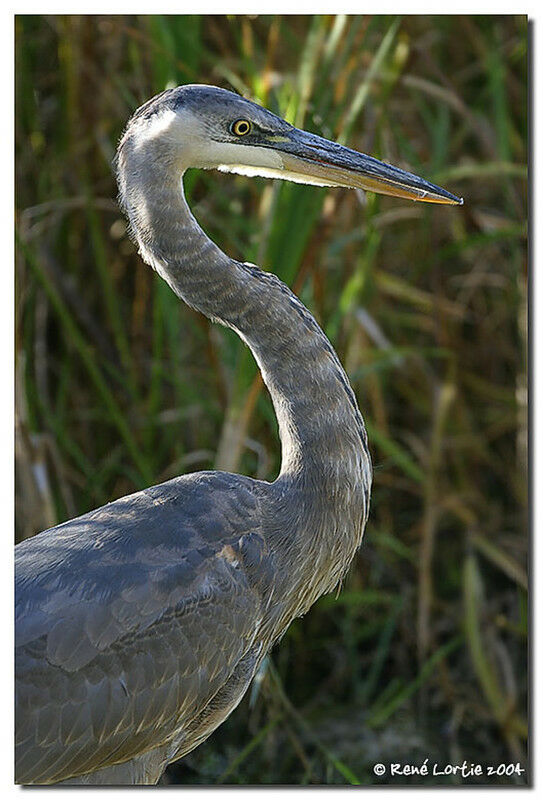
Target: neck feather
column 321, row 429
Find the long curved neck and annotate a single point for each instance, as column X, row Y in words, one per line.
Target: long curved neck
column 321, row 429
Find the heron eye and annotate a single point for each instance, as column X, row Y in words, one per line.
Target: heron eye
column 241, row 127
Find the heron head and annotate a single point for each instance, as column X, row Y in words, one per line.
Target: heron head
column 212, row 128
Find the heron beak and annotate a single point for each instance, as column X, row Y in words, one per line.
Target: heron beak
column 313, row 159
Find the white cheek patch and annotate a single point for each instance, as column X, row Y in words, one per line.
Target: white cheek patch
column 154, row 128
column 225, row 155
column 182, row 131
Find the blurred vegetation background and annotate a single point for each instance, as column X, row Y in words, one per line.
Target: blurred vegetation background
column 119, row 385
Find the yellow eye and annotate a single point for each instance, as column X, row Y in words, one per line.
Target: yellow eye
column 241, row 127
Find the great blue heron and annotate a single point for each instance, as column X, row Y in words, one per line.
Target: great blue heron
column 140, row 625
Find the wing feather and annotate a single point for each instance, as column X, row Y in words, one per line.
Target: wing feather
column 130, row 620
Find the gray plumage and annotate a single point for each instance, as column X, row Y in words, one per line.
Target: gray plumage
column 140, row 625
